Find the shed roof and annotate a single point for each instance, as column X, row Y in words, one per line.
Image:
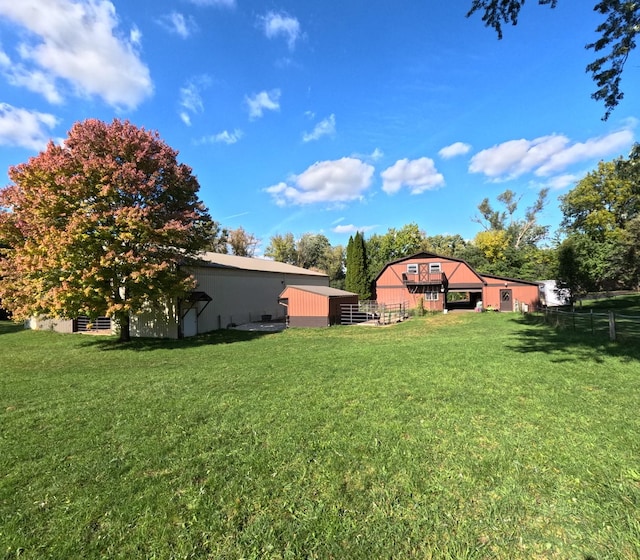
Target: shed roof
column 506, row 279
column 322, row 291
column 220, row 260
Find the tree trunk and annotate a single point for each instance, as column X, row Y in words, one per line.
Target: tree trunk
column 125, row 334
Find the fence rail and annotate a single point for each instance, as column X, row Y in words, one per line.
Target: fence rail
column 617, row 326
column 373, row 312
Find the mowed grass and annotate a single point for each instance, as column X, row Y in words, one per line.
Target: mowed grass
column 452, row 437
column 624, row 304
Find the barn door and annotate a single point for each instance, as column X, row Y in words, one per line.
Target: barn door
column 506, row 300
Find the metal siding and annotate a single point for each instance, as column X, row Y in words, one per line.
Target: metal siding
column 64, row 326
column 243, row 296
column 313, row 310
column 155, row 323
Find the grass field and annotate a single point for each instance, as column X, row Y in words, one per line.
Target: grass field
column 449, row 437
column 624, row 304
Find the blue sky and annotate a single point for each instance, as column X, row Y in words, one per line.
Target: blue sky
column 324, row 117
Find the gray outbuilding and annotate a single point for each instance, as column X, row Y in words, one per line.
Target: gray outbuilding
column 230, row 291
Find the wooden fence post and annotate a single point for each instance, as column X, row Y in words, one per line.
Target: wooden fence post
column 612, row 326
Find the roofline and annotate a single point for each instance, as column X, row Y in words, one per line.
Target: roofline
column 426, row 254
column 310, row 288
column 507, row 279
column 202, row 262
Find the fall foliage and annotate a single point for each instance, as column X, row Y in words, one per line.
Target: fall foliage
column 99, row 225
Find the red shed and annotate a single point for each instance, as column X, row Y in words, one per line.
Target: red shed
column 509, row 294
column 432, row 278
column 314, row 306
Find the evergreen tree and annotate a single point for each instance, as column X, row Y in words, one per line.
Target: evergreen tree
column 357, row 280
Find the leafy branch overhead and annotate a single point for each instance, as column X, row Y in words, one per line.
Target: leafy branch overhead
column 617, row 39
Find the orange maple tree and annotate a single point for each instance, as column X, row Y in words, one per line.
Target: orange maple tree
column 99, row 225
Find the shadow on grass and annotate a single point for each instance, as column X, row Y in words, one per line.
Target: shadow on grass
column 8, row 327
column 228, row 336
column 566, row 345
column 627, row 304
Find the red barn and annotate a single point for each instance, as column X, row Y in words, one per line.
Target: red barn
column 433, row 278
column 314, row 306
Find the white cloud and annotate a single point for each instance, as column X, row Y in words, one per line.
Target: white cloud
column 4, row 59
column 563, row 181
column 77, row 42
column 135, row 36
column 326, row 127
column 224, row 137
column 374, row 156
column 35, row 81
column 263, row 101
column 581, row 151
column 191, row 98
column 455, row 149
column 27, row 129
column 178, row 24
column 418, row 174
column 216, row 3
column 544, row 156
column 377, row 154
column 339, row 180
column 277, row 24
column 351, row 229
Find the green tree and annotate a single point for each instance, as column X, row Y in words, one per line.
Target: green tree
column 393, row 245
column 574, row 272
column 311, row 250
column 219, row 237
column 99, row 225
column 617, row 38
column 520, row 231
column 508, row 242
column 357, row 278
column 282, row 248
column 333, row 263
column 602, row 202
column 602, row 220
column 445, row 245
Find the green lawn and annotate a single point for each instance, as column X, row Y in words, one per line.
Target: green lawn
column 624, row 304
column 447, row 437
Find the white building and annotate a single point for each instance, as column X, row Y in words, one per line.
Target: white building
column 230, row 291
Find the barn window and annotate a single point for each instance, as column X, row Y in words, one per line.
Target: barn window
column 435, row 268
column 431, row 296
column 412, row 268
